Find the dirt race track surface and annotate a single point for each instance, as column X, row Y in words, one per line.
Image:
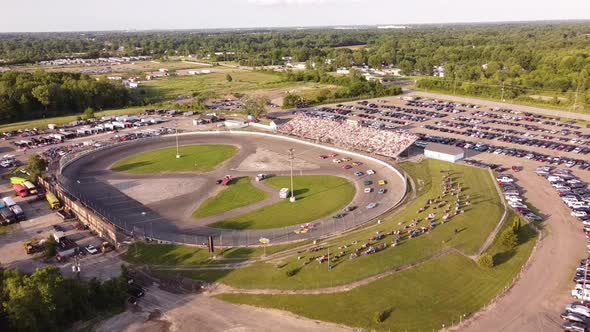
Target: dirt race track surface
column 169, row 216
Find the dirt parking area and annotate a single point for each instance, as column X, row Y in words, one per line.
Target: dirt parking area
column 163, row 311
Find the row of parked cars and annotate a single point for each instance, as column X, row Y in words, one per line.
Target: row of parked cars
column 489, row 148
column 512, row 195
column 512, row 136
column 575, row 195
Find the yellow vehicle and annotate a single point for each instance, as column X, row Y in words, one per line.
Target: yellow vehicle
column 53, row 201
column 15, row 180
column 30, row 187
column 381, row 182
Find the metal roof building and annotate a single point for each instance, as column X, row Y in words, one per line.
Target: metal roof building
column 443, row 152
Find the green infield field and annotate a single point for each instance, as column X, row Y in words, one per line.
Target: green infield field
column 473, row 226
column 317, row 196
column 239, row 193
column 194, row 158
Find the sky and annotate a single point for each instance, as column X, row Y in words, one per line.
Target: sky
column 92, row 15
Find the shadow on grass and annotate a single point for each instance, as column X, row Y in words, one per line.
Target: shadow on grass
column 237, row 225
column 127, row 167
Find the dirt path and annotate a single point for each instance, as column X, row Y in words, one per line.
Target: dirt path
column 490, row 103
column 535, row 301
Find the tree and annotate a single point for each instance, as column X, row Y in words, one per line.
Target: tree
column 37, row 166
column 485, row 260
column 509, row 238
column 255, row 106
column 292, row 100
column 229, row 78
column 516, row 223
column 88, row 113
column 50, row 247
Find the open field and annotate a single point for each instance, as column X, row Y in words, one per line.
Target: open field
column 130, row 68
column 474, row 226
column 42, row 123
column 194, row 158
column 240, row 193
column 216, row 82
column 317, row 197
column 422, row 298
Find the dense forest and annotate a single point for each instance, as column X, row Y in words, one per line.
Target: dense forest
column 46, row 301
column 25, row 96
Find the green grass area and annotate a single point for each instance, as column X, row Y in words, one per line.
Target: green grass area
column 194, row 158
column 240, row 193
column 474, row 227
column 170, row 254
column 42, row 123
column 317, row 196
column 216, row 82
column 5, row 229
column 419, row 299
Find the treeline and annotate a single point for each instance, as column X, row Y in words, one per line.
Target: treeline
column 46, row 301
column 25, row 96
column 547, row 58
column 350, row 86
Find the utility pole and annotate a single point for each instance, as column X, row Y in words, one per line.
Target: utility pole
column 291, row 157
column 502, row 98
column 575, row 106
column 177, row 148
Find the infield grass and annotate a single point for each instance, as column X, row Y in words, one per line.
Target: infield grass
column 239, row 193
column 473, row 226
column 317, row 196
column 194, row 158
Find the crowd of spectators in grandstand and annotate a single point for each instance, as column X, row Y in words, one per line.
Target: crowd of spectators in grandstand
column 388, row 143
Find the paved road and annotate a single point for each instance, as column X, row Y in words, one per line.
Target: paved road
column 493, row 104
column 130, row 214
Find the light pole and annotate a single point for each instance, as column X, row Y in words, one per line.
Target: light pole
column 177, row 149
column 292, row 199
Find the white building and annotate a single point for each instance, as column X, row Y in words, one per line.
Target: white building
column 343, row 71
column 439, row 71
column 443, row 152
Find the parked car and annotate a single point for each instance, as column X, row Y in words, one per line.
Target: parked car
column 371, row 205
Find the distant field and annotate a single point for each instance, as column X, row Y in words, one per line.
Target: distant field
column 42, row 123
column 240, row 193
column 317, row 196
column 194, row 158
column 216, row 82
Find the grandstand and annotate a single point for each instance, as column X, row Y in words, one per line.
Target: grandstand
column 389, row 143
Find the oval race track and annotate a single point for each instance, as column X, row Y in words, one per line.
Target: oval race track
column 87, row 179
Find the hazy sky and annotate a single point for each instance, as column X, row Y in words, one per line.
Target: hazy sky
column 76, row 15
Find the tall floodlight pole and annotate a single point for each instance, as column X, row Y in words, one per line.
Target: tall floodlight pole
column 177, row 149
column 291, row 150
column 502, row 98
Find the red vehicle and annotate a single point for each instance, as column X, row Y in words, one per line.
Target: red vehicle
column 226, row 180
column 516, row 168
column 346, row 167
column 332, row 155
column 21, row 190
